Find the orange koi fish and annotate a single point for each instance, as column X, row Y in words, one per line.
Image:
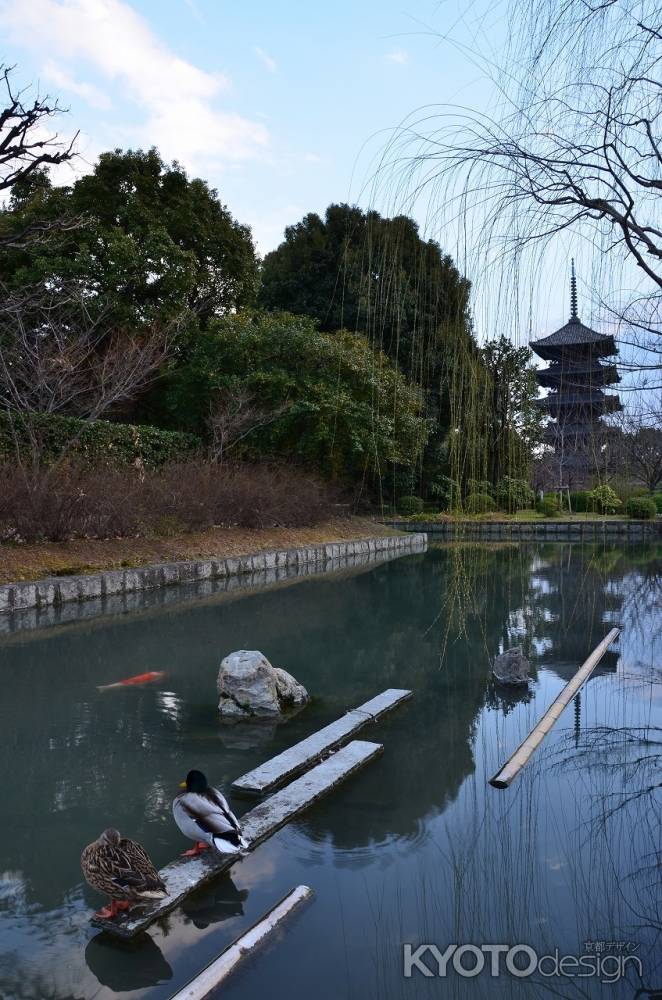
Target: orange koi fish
column 151, row 675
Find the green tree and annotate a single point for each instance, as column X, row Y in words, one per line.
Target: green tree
column 358, row 270
column 341, row 406
column 513, row 422
column 152, row 243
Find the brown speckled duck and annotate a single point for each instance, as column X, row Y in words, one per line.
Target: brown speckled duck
column 121, row 869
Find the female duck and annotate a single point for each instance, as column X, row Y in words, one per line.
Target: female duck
column 121, row 869
column 203, row 815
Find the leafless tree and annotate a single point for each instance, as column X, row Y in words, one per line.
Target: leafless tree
column 26, row 145
column 60, row 355
column 572, row 147
column 637, row 452
column 234, row 415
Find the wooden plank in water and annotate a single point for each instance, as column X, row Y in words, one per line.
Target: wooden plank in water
column 185, row 875
column 521, row 756
column 218, row 971
column 293, row 761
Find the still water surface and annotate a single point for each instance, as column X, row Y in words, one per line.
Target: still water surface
column 417, row 848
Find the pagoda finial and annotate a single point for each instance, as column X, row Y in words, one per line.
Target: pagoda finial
column 573, row 291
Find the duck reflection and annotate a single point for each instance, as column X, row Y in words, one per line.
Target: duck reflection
column 106, row 959
column 214, row 904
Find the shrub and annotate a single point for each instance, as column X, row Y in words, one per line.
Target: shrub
column 580, row 502
column 657, row 499
column 410, row 505
column 549, row 506
column 641, row 507
column 479, row 503
column 479, row 486
column 514, row 494
column 97, row 441
column 447, row 491
column 604, row 500
column 73, row 501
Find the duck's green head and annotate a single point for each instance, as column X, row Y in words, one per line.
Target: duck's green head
column 195, row 782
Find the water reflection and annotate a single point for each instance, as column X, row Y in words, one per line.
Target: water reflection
column 124, row 967
column 83, row 759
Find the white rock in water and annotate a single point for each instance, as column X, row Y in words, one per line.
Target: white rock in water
column 249, row 687
column 511, row 667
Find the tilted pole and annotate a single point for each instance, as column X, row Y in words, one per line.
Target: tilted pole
column 520, row 758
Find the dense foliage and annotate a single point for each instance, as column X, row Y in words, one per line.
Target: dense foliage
column 513, row 494
column 149, row 242
column 95, row 442
column 409, row 505
column 337, row 405
column 644, row 508
column 479, row 503
column 357, row 270
column 604, row 500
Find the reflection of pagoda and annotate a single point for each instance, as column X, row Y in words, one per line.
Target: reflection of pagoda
column 576, row 403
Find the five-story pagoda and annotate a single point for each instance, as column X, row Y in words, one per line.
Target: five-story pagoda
column 576, row 378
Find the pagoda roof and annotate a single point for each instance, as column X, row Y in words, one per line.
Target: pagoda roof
column 577, row 374
column 573, row 335
column 586, row 400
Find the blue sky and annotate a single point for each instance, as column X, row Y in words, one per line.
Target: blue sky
column 282, row 106
column 272, row 102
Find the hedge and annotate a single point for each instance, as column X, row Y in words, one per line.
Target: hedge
column 98, row 442
column 641, row 507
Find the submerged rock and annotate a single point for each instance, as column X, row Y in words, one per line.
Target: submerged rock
column 250, row 687
column 511, row 667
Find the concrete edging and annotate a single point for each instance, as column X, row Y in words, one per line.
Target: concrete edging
column 55, row 591
column 555, row 530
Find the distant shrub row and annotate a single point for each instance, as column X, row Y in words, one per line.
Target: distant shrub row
column 96, row 442
column 511, row 495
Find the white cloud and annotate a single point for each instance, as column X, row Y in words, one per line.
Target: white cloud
column 63, row 80
column 265, row 58
column 312, row 158
column 178, row 100
column 398, row 56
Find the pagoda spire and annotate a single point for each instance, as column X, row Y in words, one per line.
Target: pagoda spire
column 573, row 292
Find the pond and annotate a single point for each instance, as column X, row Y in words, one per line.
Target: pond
column 417, row 848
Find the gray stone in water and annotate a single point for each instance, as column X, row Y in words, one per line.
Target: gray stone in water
column 511, row 667
column 250, row 687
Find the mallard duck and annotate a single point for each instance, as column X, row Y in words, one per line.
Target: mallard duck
column 121, row 869
column 203, row 815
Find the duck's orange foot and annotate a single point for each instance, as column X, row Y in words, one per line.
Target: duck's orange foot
column 198, row 849
column 110, row 912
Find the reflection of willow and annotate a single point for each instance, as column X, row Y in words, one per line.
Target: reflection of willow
column 480, row 578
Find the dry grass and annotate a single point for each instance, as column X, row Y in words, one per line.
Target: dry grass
column 31, row 562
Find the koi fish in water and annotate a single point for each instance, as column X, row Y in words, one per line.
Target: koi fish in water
column 151, row 675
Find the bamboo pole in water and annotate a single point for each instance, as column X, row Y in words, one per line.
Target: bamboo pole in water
column 520, row 758
column 208, row 981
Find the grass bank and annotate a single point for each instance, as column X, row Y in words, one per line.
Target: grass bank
column 82, row 555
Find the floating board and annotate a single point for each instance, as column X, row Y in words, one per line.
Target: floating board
column 217, row 972
column 289, row 763
column 187, row 874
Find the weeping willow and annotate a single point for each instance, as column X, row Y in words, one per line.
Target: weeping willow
column 565, row 162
